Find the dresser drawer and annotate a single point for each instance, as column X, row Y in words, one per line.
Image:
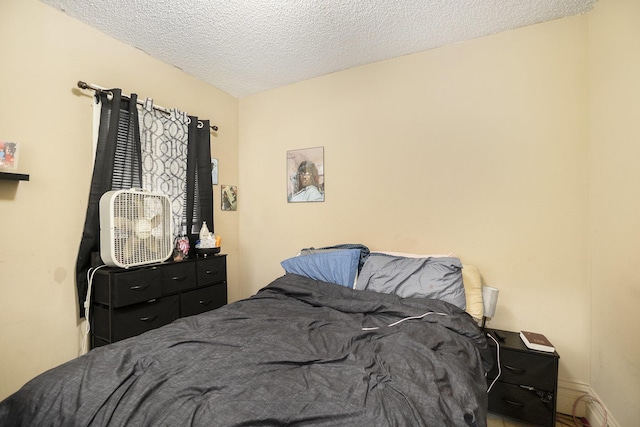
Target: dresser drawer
column 533, row 406
column 135, row 319
column 178, row 277
column 212, row 270
column 520, row 368
column 201, row 300
column 127, row 287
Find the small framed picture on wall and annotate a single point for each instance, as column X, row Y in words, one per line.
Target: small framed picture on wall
column 305, row 175
column 229, row 197
column 8, row 156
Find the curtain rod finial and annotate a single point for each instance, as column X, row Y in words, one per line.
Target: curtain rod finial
column 82, row 85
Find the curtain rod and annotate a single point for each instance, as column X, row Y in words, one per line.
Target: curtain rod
column 83, row 85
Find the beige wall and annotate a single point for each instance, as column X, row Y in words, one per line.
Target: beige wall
column 519, row 152
column 614, row 206
column 43, row 54
column 479, row 148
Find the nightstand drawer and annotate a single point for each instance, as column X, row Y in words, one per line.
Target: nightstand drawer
column 519, row 368
column 533, row 406
column 201, row 300
column 212, row 270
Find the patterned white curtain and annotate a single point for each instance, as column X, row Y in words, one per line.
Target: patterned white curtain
column 164, row 140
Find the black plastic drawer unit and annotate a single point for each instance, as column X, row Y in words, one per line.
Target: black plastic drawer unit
column 527, row 388
column 129, row 302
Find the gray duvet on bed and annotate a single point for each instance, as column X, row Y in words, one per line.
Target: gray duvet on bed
column 299, row 352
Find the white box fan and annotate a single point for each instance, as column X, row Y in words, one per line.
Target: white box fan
column 135, row 228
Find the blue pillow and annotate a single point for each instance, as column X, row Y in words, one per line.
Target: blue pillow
column 436, row 278
column 364, row 251
column 338, row 266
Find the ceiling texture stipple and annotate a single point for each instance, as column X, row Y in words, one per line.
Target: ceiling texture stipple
column 249, row 46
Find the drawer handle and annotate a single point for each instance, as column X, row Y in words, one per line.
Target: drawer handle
column 205, row 302
column 212, row 271
column 179, row 278
column 139, row 287
column 148, row 319
column 513, row 403
column 517, row 371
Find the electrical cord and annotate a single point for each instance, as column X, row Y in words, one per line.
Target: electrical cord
column 87, row 307
column 568, row 420
column 592, row 400
column 498, row 361
column 373, row 328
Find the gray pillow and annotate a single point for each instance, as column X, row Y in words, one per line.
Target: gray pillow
column 437, row 278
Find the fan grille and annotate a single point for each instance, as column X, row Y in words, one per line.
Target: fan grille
column 140, row 229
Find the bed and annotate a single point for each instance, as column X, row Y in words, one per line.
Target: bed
column 348, row 349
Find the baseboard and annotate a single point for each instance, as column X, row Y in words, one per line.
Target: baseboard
column 569, row 392
column 597, row 413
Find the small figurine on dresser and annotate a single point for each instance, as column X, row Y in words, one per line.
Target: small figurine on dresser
column 181, row 248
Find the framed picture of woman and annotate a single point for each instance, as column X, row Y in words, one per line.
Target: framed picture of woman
column 305, row 175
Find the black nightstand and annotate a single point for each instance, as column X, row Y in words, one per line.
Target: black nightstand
column 527, row 389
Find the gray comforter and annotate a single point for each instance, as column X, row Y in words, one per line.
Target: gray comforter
column 299, row 352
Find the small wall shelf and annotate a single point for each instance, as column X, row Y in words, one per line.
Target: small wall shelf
column 10, row 176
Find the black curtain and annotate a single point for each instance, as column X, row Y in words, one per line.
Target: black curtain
column 117, row 166
column 199, row 206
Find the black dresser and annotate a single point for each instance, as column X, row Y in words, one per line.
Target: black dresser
column 527, row 389
column 128, row 302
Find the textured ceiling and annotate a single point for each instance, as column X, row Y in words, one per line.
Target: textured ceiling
column 249, row 46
